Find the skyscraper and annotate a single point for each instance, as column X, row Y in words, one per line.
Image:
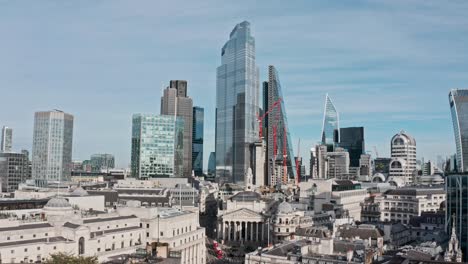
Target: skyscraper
column 331, row 124
column 197, row 143
column 212, row 164
column 237, row 94
column 458, row 99
column 278, row 140
column 352, row 140
column 52, row 146
column 403, row 153
column 6, row 140
column 176, row 102
column 157, row 146
column 456, row 213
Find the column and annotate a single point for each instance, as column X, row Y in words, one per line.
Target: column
column 235, row 231
column 256, row 231
column 251, row 231
column 220, row 230
column 263, row 231
column 229, row 232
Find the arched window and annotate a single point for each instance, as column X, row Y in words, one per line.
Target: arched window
column 81, row 246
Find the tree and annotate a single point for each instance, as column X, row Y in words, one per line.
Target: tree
column 61, row 258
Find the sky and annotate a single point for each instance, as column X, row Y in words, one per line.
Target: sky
column 387, row 65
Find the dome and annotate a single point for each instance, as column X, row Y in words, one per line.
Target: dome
column 403, row 138
column 57, row 202
column 378, row 177
column 79, row 192
column 285, row 208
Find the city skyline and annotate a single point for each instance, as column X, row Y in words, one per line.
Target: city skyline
column 390, row 79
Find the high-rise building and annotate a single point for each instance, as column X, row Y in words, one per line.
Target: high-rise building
column 176, row 102
column 382, row 165
column 322, row 161
column 6, row 140
column 102, row 162
column 278, row 140
column 403, row 153
column 313, row 163
column 338, row 164
column 52, row 146
column 212, row 164
column 352, row 140
column 197, row 142
column 237, row 96
column 458, row 99
column 331, row 124
column 456, row 213
column 157, row 146
column 14, row 169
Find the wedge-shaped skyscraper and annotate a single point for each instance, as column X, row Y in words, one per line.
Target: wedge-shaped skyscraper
column 278, row 138
column 237, row 92
column 458, row 99
column 331, row 124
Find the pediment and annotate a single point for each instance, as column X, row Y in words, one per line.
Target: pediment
column 242, row 213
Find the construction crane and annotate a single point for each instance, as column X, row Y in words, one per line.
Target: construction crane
column 276, row 104
column 376, row 153
column 298, row 169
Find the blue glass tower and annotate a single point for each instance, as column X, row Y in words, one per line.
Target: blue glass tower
column 237, row 93
column 331, row 124
column 458, row 99
column 197, row 140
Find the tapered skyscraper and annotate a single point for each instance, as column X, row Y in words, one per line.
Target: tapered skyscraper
column 278, row 138
column 237, row 92
column 331, row 124
column 458, row 99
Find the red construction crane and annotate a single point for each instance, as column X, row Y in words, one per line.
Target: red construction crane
column 276, row 104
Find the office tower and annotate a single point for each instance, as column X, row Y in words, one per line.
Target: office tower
column 176, row 102
column 278, row 138
column 322, row 166
column 331, row 125
column 157, row 146
column 14, row 169
column 102, row 162
column 365, row 165
column 197, row 143
column 458, row 99
column 338, row 164
column 52, row 146
column 257, row 163
column 352, row 140
column 6, row 140
column 313, row 163
column 237, row 95
column 403, row 153
column 456, row 213
column 212, row 164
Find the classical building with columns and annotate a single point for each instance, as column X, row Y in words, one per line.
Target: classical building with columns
column 246, row 217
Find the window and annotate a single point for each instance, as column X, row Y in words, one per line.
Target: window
column 12, row 251
column 162, row 234
column 25, row 250
column 147, row 225
column 21, row 237
column 147, row 234
column 8, row 238
column 38, row 248
column 46, row 234
column 99, row 249
column 34, row 235
column 55, row 247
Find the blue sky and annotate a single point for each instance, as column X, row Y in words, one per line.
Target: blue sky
column 388, row 65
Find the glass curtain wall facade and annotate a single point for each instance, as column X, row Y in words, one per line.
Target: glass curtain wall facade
column 277, row 124
column 157, row 146
column 102, row 162
column 52, row 146
column 457, row 209
column 458, row 99
column 331, row 124
column 237, row 96
column 197, row 142
column 352, row 140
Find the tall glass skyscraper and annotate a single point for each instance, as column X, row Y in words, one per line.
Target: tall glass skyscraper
column 237, row 96
column 102, row 162
column 352, row 140
column 277, row 130
column 157, row 146
column 457, row 208
column 331, row 124
column 52, row 146
column 458, row 99
column 197, row 142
